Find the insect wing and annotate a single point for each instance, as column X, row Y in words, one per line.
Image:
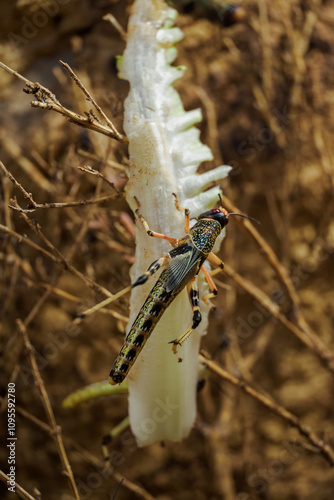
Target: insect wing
column 182, row 265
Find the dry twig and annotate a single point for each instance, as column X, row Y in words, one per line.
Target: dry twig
column 116, row 134
column 22, row 493
column 319, row 348
column 55, row 429
column 92, row 171
column 91, row 156
column 35, row 206
column 87, row 456
column 113, row 21
column 61, row 260
column 45, row 99
column 279, row 410
column 302, row 329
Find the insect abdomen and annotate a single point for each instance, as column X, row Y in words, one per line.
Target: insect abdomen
column 151, row 311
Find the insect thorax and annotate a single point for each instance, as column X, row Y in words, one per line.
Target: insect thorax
column 204, row 234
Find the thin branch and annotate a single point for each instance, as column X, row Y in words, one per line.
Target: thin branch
column 100, row 305
column 279, row 410
column 318, row 347
column 22, row 493
column 135, row 488
column 56, row 431
column 29, row 416
column 86, row 455
column 62, row 262
column 36, row 206
column 113, row 21
column 92, row 171
column 61, row 259
column 281, row 272
column 16, row 183
column 47, row 100
column 72, row 298
column 110, row 163
column 32, row 313
column 28, row 242
column 54, row 290
column 118, row 136
column 266, row 250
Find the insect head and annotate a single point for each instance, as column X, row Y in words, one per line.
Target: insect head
column 221, row 215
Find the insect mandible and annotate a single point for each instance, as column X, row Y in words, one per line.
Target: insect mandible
column 181, row 267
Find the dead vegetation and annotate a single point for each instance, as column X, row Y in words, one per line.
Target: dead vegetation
column 265, row 420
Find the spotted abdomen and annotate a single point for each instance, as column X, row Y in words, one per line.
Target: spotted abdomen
column 151, row 311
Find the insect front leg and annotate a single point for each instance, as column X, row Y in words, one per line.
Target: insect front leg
column 186, row 213
column 172, row 241
column 197, row 317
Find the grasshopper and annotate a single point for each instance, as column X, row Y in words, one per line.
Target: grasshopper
column 181, row 267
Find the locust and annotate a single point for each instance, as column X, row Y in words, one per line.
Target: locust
column 181, row 266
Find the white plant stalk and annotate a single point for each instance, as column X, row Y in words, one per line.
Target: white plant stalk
column 165, row 152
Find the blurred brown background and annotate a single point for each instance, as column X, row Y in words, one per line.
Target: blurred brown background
column 265, row 85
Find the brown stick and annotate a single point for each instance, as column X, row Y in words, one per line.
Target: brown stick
column 34, row 206
column 117, row 135
column 81, row 203
column 86, row 455
column 22, row 493
column 318, row 347
column 281, row 272
column 60, row 261
column 325, row 449
column 47, row 100
column 56, row 430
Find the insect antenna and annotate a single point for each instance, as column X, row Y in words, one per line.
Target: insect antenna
column 246, row 217
column 240, row 215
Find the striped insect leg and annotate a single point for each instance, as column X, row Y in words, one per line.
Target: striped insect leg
column 116, row 431
column 197, row 317
column 153, row 268
column 150, row 313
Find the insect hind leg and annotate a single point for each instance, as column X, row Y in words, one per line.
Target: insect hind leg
column 197, row 317
column 153, row 268
column 116, row 431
